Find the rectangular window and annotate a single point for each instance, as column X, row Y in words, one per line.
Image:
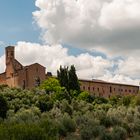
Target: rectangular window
column 110, row 89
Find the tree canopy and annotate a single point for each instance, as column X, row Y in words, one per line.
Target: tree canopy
column 68, row 78
column 51, row 85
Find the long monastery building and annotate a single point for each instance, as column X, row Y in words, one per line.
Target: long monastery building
column 27, row 77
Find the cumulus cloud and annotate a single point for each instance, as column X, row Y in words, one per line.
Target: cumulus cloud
column 129, row 67
column 120, row 14
column 54, row 56
column 87, row 66
column 110, row 26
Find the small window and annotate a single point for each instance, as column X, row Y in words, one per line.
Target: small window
column 83, row 87
column 110, row 89
column 129, row 90
column 88, row 88
column 126, row 90
column 98, row 89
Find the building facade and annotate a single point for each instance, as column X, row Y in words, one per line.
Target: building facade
column 106, row 89
column 17, row 75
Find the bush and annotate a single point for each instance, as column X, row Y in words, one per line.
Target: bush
column 66, row 125
column 50, row 128
column 66, row 107
column 119, row 133
column 100, row 100
column 22, row 132
column 44, row 103
column 106, row 121
column 3, row 107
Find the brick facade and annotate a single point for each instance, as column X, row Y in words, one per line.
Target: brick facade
column 106, row 89
column 17, row 75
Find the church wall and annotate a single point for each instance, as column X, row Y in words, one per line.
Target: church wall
column 35, row 71
column 2, row 78
column 22, row 78
column 12, row 81
column 108, row 89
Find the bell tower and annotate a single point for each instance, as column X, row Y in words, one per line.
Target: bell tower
column 10, row 56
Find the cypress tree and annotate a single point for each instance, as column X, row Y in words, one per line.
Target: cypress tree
column 73, row 79
column 62, row 75
column 68, row 78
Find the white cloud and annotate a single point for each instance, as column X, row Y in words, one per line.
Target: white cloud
column 120, row 78
column 54, row 56
column 129, row 67
column 87, row 66
column 120, row 14
column 2, row 63
column 110, row 25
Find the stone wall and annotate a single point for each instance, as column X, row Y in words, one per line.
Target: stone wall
column 2, row 78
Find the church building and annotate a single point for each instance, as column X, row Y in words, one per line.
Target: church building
column 17, row 75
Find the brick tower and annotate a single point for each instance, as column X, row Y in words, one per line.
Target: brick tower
column 10, row 57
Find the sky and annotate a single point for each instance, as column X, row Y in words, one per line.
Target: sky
column 100, row 37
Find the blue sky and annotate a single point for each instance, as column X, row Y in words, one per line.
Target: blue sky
column 16, row 22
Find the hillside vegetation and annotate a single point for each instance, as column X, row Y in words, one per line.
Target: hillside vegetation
column 50, row 112
column 58, row 110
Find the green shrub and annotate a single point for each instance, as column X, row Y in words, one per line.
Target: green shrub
column 22, row 132
column 106, row 121
column 66, row 125
column 3, row 107
column 119, row 133
column 44, row 103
